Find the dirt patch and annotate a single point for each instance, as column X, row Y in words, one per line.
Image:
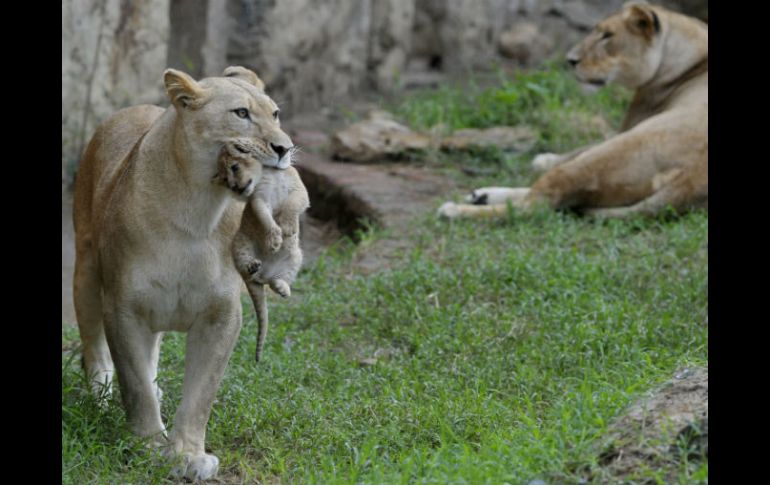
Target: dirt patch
column 660, row 432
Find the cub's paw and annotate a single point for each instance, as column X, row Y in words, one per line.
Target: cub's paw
column 545, row 161
column 448, row 210
column 274, row 238
column 281, row 287
column 289, row 225
column 254, row 266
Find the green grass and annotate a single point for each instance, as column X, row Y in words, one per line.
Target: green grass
column 503, row 348
column 548, row 100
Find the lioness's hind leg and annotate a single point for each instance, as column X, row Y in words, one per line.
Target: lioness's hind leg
column 88, row 308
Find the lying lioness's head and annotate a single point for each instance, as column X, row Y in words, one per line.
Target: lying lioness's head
column 217, row 110
column 624, row 48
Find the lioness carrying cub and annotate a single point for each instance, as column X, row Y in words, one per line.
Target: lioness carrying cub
column 660, row 156
column 153, row 240
column 266, row 248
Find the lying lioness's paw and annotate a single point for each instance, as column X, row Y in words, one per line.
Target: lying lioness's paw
column 448, row 210
column 478, row 197
column 544, row 161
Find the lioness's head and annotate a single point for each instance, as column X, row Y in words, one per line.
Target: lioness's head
column 217, row 110
column 625, row 48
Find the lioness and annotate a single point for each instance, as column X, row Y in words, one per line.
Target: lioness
column 660, row 156
column 266, row 249
column 153, row 241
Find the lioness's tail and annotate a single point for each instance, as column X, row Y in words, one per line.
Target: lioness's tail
column 257, row 293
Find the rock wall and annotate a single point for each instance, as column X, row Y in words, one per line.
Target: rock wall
column 311, row 53
column 113, row 54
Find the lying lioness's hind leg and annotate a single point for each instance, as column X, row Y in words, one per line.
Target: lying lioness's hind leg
column 686, row 190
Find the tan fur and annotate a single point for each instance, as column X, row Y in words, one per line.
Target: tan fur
column 153, row 241
column 266, row 249
column 660, row 156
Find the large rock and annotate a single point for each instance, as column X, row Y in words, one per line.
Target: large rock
column 654, row 431
column 315, row 52
column 524, row 43
column 113, row 56
column 512, row 138
column 198, row 37
column 376, row 138
column 379, row 137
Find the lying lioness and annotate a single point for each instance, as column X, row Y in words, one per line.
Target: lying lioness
column 660, row 157
column 153, row 241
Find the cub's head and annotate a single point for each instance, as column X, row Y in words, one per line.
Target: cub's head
column 217, row 110
column 238, row 169
column 625, row 48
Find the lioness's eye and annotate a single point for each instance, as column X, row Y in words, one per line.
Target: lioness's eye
column 241, row 113
column 275, row 114
column 607, row 35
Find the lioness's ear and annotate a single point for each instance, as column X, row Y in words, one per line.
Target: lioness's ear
column 182, row 90
column 641, row 19
column 246, row 74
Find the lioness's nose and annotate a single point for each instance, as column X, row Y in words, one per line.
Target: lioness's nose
column 573, row 61
column 279, row 150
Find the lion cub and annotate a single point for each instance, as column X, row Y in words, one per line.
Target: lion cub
column 266, row 248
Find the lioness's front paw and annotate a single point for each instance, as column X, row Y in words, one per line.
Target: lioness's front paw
column 448, row 210
column 274, row 238
column 545, row 161
column 196, row 467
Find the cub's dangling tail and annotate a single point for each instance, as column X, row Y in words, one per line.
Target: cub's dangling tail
column 257, row 293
